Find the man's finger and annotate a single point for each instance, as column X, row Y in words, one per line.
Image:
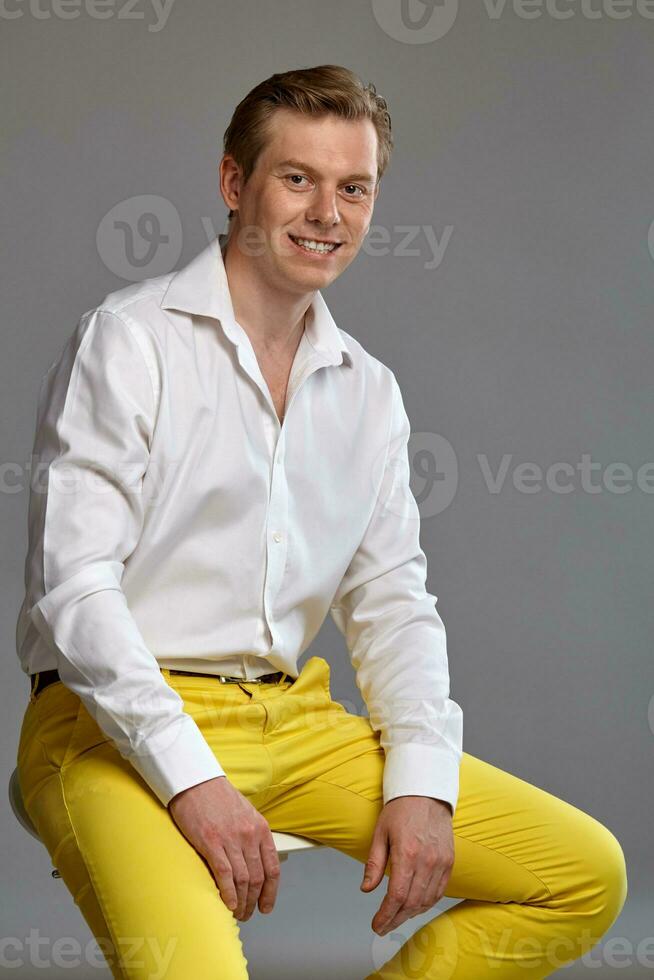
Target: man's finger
column 442, row 884
column 376, row 863
column 222, row 872
column 398, row 888
column 416, row 901
column 241, row 878
column 435, row 890
column 417, row 897
column 257, row 878
column 272, row 871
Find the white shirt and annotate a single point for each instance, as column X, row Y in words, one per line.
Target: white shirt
column 175, row 522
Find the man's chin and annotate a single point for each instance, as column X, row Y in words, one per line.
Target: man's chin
column 311, row 278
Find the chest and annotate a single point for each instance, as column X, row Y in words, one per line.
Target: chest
column 276, row 375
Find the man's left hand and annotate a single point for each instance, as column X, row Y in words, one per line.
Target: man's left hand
column 416, row 833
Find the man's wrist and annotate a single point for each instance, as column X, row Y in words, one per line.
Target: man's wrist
column 444, row 803
column 188, row 789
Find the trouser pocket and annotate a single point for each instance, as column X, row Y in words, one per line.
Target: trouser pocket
column 60, row 723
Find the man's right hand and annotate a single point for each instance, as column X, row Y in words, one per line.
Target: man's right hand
column 234, row 839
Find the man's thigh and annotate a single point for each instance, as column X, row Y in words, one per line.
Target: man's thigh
column 513, row 841
column 149, row 898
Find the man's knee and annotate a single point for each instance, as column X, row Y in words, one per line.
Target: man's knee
column 614, row 877
column 606, row 878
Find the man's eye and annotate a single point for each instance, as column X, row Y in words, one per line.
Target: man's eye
column 356, row 188
column 298, row 176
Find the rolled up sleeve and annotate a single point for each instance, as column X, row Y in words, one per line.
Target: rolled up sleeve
column 95, row 422
column 396, row 638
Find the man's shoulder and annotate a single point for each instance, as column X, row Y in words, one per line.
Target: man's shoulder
column 138, row 301
column 131, row 315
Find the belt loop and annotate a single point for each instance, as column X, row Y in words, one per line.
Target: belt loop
column 34, row 683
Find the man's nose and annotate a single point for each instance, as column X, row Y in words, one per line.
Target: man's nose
column 323, row 209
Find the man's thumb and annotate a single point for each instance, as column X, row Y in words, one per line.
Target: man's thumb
column 374, row 868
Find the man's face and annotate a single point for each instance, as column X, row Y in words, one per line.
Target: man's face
column 315, row 181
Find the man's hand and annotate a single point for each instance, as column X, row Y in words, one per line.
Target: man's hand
column 417, row 831
column 234, row 839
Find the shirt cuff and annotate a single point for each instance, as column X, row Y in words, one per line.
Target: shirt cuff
column 420, row 769
column 175, row 759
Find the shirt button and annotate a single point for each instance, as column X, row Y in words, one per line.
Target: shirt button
column 277, row 536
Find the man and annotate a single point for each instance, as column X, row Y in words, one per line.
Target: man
column 224, row 466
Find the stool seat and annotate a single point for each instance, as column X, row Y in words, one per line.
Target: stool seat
column 285, row 843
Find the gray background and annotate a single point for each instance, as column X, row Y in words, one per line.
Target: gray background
column 533, row 140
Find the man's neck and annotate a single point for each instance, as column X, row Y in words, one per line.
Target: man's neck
column 273, row 322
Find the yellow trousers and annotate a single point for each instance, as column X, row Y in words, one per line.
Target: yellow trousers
column 540, row 880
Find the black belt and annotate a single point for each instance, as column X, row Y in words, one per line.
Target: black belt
column 43, row 678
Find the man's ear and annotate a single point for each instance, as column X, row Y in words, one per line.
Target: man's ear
column 229, row 174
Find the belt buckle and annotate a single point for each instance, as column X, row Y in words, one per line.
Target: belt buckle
column 224, row 679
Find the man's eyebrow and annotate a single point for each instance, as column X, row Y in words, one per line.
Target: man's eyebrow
column 299, row 165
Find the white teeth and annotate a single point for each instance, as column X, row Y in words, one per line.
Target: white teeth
column 314, row 246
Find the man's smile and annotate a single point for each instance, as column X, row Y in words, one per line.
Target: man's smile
column 319, row 248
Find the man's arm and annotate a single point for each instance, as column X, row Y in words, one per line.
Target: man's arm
column 95, row 419
column 396, row 638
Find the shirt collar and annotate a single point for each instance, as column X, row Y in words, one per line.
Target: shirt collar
column 201, row 288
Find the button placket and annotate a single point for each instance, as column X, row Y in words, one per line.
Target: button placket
column 277, row 539
column 277, row 523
